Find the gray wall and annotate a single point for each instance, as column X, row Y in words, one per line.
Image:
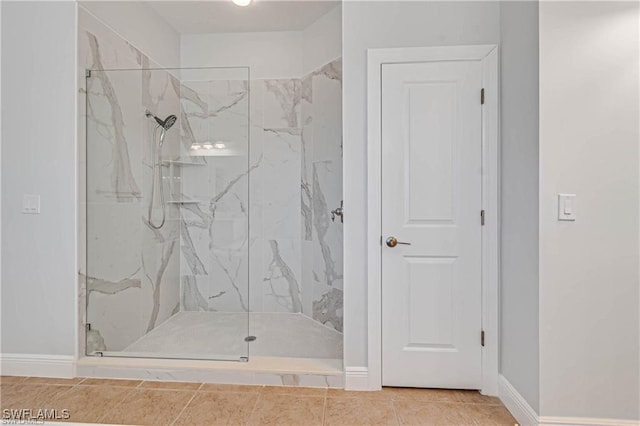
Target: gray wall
column 519, row 197
column 39, row 272
column 589, row 110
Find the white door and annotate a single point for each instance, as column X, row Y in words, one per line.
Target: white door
column 431, row 198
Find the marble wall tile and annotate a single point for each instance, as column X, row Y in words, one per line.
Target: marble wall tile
column 114, row 124
column 281, row 184
column 281, row 279
column 284, row 118
column 160, row 285
column 161, row 97
column 194, row 293
column 215, row 247
column 194, row 239
column 229, row 115
column 110, row 226
column 194, row 113
column 327, row 192
column 113, row 110
column 306, row 277
column 229, row 239
column 132, row 270
column 115, row 52
column 281, row 103
column 306, row 156
column 259, row 238
column 256, row 194
column 327, row 112
column 326, row 181
column 327, row 245
column 229, row 291
column 121, row 307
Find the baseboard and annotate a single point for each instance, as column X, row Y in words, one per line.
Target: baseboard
column 585, row 421
column 526, row 416
column 37, row 365
column 356, row 378
column 516, row 404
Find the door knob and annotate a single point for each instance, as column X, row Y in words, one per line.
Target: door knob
column 393, row 241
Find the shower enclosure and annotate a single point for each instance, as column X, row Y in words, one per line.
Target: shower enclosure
column 208, row 214
column 168, row 213
column 206, row 208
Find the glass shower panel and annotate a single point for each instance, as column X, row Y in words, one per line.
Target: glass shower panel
column 167, row 213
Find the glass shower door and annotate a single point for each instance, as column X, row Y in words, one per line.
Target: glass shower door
column 167, row 213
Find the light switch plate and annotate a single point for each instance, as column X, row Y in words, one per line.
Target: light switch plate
column 566, row 207
column 30, row 204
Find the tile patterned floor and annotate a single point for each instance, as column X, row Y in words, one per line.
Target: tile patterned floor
column 136, row 402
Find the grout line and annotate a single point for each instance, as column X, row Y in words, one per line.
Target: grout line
column 255, row 406
column 185, row 407
column 117, row 404
column 395, row 412
column 324, row 409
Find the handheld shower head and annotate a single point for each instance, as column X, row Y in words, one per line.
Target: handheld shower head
column 166, row 123
column 169, row 121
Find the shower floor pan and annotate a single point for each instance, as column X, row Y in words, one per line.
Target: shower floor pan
column 289, row 350
column 211, row 335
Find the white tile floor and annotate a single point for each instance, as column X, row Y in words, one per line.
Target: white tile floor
column 218, row 335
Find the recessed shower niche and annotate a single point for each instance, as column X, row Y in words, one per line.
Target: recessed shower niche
column 209, row 191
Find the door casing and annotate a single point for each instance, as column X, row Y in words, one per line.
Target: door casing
column 487, row 55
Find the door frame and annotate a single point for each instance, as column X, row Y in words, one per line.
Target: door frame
column 487, row 55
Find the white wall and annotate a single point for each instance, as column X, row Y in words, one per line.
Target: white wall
column 589, row 110
column 322, row 41
column 376, row 25
column 271, row 55
column 39, row 272
column 519, row 197
column 141, row 26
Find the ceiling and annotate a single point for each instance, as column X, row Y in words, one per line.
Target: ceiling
column 222, row 16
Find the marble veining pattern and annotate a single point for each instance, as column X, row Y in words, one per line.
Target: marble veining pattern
column 322, row 224
column 111, row 287
column 124, row 184
column 282, row 103
column 199, row 261
column 191, row 297
column 295, row 180
column 281, row 280
column 131, row 289
column 322, row 176
column 214, row 231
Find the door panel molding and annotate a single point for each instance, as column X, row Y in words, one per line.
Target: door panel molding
column 487, row 55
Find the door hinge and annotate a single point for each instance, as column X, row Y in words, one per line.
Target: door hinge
column 87, row 73
column 482, row 217
column 88, row 326
column 482, row 338
column 482, row 97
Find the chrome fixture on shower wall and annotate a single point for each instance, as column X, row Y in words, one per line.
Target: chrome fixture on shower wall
column 338, row 212
column 164, row 125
